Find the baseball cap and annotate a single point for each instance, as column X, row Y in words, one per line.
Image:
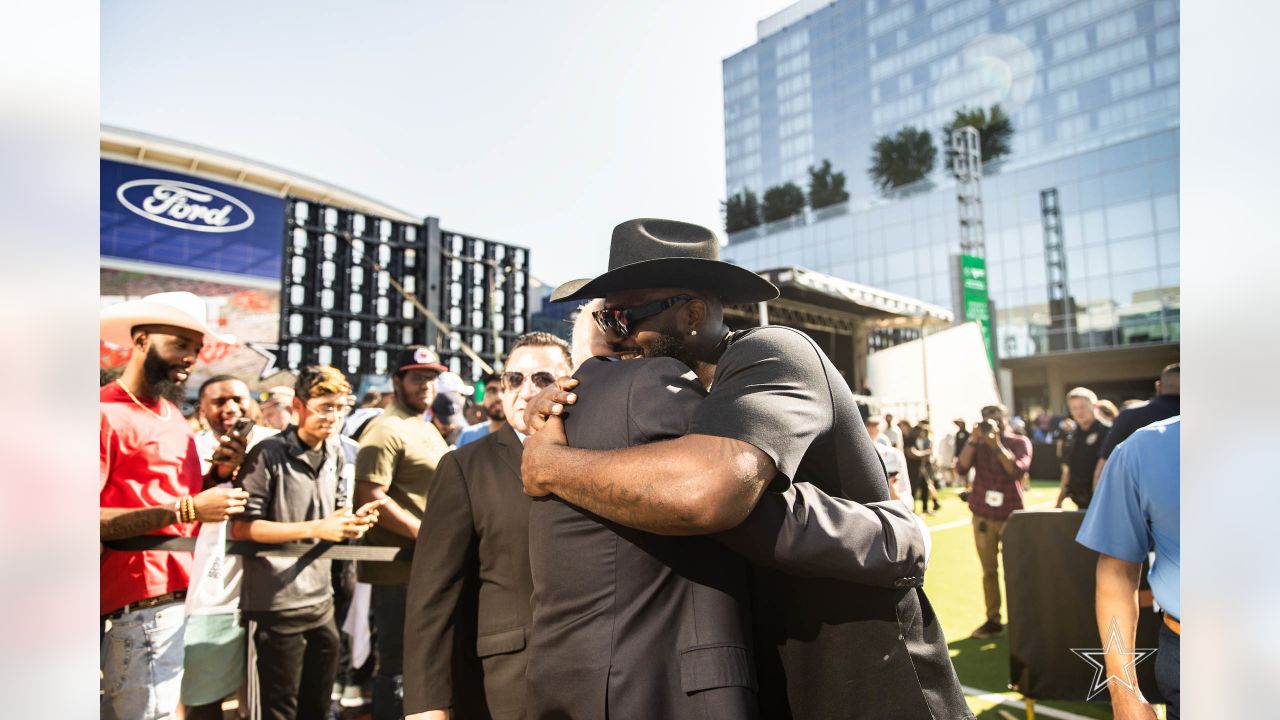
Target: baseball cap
column 450, row 382
column 417, row 358
column 447, row 407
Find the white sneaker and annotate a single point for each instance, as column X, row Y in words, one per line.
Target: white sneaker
column 352, row 696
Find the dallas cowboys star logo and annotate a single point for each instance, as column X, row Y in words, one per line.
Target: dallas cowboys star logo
column 1113, row 646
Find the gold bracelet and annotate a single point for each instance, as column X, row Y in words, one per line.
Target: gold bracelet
column 191, row 509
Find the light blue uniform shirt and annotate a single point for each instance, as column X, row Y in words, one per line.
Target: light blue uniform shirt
column 1135, row 508
column 472, row 433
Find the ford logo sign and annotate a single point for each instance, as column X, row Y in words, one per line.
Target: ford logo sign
column 185, row 205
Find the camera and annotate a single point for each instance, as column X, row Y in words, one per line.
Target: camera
column 991, row 426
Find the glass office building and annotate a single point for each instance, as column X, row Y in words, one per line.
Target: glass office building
column 1091, row 87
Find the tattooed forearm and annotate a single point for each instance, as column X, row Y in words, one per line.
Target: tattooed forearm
column 120, row 523
column 642, row 506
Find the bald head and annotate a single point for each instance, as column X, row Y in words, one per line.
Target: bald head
column 1168, row 382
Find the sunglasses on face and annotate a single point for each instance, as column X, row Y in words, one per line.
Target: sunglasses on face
column 515, row 380
column 621, row 320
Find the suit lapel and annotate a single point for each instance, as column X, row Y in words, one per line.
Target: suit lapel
column 511, row 448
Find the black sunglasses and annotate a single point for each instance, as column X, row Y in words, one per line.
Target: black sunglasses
column 515, row 380
column 620, row 320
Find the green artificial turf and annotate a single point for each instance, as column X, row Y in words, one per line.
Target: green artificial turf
column 954, row 585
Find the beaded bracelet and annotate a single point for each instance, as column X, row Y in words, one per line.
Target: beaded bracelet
column 186, row 509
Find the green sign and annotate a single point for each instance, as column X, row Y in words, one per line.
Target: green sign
column 977, row 307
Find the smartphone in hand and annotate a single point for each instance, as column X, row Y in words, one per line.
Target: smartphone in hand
column 242, row 428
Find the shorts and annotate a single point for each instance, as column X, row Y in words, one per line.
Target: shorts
column 142, row 659
column 215, row 658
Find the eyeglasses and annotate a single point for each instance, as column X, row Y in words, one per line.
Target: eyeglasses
column 515, row 380
column 620, row 320
column 330, row 411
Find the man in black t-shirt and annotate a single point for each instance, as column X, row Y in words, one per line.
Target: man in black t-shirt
column 778, row 413
column 1080, row 450
column 1164, row 406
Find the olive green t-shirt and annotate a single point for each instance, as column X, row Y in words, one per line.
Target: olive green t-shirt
column 399, row 450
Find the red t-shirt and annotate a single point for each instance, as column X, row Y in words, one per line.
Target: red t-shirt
column 145, row 461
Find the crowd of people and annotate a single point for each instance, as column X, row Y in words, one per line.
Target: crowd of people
column 711, row 528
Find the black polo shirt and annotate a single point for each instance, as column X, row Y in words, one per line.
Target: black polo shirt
column 824, row 648
column 289, row 482
column 1081, row 457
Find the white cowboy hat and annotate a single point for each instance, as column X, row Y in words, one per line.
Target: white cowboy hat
column 180, row 309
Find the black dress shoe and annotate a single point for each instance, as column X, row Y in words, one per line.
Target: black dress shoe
column 988, row 629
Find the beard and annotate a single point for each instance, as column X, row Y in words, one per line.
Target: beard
column 497, row 414
column 156, row 372
column 671, row 346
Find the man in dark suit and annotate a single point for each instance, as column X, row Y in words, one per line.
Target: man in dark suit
column 628, row 623
column 468, row 610
column 778, row 416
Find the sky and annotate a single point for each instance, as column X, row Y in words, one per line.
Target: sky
column 536, row 124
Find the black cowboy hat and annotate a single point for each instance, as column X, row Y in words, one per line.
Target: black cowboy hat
column 651, row 253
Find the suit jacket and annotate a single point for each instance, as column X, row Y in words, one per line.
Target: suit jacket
column 627, row 624
column 468, row 614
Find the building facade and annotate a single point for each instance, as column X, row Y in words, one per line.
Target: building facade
column 298, row 270
column 1091, row 87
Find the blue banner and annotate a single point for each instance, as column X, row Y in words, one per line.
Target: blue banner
column 158, row 216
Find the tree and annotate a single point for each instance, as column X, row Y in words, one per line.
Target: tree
column 825, row 187
column 995, row 130
column 903, row 158
column 783, row 201
column 741, row 211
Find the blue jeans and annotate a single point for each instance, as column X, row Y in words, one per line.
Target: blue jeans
column 388, row 604
column 1168, row 658
column 142, row 663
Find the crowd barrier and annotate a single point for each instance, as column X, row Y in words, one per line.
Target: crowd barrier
column 315, row 551
column 1049, row 581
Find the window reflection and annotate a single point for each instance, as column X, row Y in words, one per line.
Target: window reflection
column 1167, row 246
column 1129, row 219
column 1166, row 207
column 1095, row 259
column 1126, row 185
column 1133, row 254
